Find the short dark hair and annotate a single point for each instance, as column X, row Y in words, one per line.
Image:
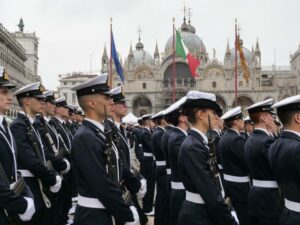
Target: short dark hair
column 229, row 124
column 286, row 116
column 255, row 117
column 190, row 112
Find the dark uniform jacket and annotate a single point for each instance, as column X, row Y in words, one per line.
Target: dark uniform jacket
column 62, row 129
column 196, row 176
column 165, row 139
column 263, row 202
column 138, row 148
column 284, row 158
column 174, row 143
column 58, row 164
column 27, row 160
column 89, row 166
column 231, row 148
column 130, row 181
column 11, row 202
column 156, row 140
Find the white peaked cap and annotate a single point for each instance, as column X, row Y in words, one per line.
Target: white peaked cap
column 175, row 106
column 94, row 85
column 31, row 90
column 200, row 95
column 290, row 103
column 263, row 106
column 232, row 114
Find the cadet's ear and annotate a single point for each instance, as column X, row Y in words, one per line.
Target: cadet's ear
column 297, row 118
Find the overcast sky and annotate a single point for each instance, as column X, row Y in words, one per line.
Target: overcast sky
column 71, row 31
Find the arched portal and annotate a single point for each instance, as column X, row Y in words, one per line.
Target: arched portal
column 243, row 101
column 141, row 106
column 221, row 102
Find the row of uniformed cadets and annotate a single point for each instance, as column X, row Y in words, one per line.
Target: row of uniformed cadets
column 260, row 173
column 258, row 166
column 29, row 149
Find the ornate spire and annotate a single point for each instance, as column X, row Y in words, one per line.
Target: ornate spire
column 156, row 52
column 104, row 55
column 139, row 45
column 184, row 26
column 130, row 50
column 21, row 25
column 257, row 46
column 228, row 48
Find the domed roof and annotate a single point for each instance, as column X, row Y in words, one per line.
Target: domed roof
column 140, row 56
column 247, row 55
column 191, row 40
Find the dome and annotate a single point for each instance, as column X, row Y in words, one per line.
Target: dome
column 140, row 57
column 247, row 55
column 191, row 40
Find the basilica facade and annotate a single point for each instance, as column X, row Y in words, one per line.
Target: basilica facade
column 148, row 84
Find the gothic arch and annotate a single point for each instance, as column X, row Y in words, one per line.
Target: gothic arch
column 243, row 101
column 221, row 101
column 143, row 72
column 141, row 105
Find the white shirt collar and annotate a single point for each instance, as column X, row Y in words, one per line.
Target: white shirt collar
column 1, row 120
column 118, row 125
column 292, row 131
column 182, row 130
column 147, row 128
column 96, row 123
column 59, row 119
column 29, row 117
column 47, row 119
column 263, row 130
column 201, row 133
column 162, row 128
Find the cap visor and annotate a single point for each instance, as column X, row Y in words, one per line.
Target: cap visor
column 9, row 85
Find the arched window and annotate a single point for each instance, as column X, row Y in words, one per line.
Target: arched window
column 214, row 84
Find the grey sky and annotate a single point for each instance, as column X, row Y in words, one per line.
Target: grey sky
column 70, row 31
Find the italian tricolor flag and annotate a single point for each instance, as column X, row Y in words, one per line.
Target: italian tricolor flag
column 183, row 52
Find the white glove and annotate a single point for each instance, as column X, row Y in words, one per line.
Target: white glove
column 68, row 167
column 141, row 193
column 135, row 217
column 56, row 187
column 30, row 210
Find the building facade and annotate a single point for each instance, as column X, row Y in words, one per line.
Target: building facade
column 19, row 56
column 67, row 81
column 149, row 80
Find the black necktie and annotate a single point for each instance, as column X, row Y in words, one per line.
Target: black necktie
column 122, row 131
column 5, row 126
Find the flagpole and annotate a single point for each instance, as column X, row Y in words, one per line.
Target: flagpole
column 174, row 66
column 110, row 60
column 235, row 64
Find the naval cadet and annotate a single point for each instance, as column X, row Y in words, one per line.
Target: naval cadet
column 12, row 202
column 31, row 155
column 284, row 158
column 95, row 161
column 58, row 121
column 204, row 204
column 138, row 147
column 161, row 215
column 147, row 164
column 133, row 181
column 235, row 173
column 264, row 200
column 176, row 138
